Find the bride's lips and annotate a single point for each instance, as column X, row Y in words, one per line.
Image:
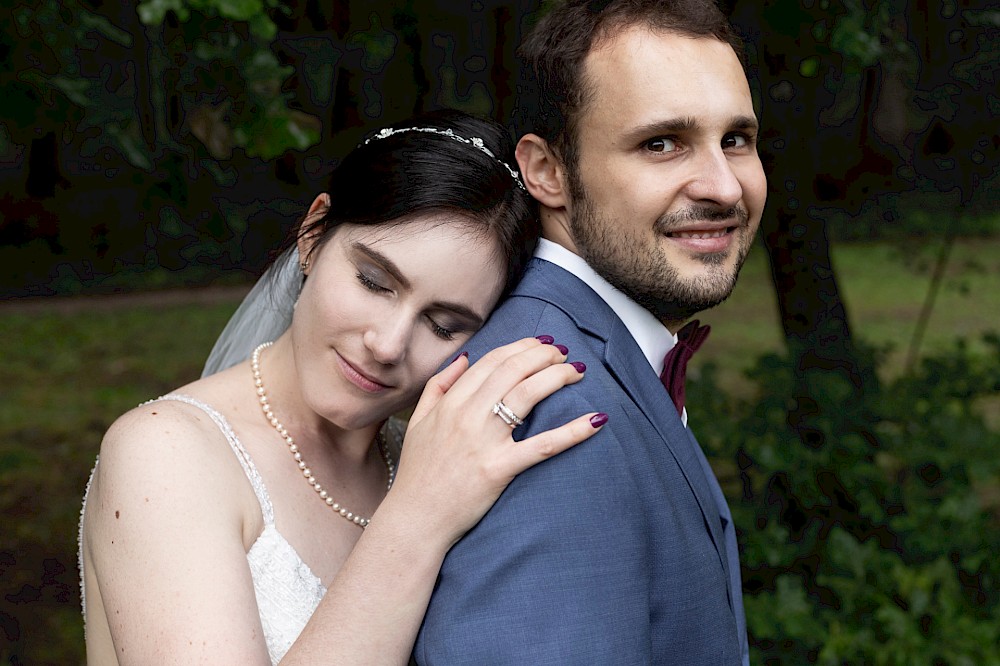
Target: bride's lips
column 363, row 381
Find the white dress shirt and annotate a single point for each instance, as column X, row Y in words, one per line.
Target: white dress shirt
column 649, row 333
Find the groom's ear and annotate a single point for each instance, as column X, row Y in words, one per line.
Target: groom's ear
column 307, row 235
column 542, row 170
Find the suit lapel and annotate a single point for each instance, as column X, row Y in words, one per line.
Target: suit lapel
column 629, row 367
column 626, row 363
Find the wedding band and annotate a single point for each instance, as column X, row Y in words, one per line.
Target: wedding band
column 508, row 417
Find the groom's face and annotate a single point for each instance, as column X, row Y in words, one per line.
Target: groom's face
column 668, row 190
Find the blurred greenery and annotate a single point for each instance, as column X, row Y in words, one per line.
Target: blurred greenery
column 71, row 366
column 876, row 543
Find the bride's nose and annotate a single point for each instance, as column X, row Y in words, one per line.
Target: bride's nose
column 389, row 340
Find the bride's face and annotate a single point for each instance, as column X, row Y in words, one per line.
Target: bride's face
column 383, row 307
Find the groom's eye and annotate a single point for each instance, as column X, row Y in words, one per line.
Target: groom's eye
column 661, row 145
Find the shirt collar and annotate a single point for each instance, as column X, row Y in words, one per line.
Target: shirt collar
column 652, row 336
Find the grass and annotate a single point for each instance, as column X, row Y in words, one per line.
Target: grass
column 883, row 286
column 64, row 376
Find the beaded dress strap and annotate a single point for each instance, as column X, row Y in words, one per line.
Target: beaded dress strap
column 259, row 489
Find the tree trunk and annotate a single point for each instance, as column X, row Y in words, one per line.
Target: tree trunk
column 805, row 163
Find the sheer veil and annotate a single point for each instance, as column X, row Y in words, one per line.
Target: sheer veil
column 263, row 315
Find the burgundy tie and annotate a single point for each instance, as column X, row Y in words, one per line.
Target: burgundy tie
column 689, row 338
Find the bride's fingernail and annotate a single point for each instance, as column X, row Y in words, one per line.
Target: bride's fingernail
column 545, row 339
column 597, row 420
column 465, row 354
column 563, row 349
column 580, row 367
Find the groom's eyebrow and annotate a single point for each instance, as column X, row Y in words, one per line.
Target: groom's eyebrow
column 476, row 320
column 682, row 124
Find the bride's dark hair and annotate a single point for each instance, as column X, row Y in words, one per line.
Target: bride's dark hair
column 394, row 179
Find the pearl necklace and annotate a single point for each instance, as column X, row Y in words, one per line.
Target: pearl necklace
column 390, row 467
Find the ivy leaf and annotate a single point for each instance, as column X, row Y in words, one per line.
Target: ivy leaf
column 238, row 10
column 152, row 12
column 278, row 131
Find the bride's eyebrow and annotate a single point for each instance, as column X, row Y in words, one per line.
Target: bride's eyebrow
column 387, row 264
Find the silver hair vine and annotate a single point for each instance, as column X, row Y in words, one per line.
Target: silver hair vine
column 475, row 142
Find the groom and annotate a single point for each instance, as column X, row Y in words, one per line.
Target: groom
column 641, row 153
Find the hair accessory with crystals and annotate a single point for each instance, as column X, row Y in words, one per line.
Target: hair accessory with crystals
column 475, row 142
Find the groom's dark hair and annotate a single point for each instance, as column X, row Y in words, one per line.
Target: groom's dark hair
column 553, row 87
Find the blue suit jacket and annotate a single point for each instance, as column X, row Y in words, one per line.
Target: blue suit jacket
column 619, row 551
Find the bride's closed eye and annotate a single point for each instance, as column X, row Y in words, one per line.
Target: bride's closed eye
column 445, row 332
column 370, row 283
column 441, row 331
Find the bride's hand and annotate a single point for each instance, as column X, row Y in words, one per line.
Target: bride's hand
column 458, row 455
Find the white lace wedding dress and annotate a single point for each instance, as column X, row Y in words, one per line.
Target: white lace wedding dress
column 287, row 590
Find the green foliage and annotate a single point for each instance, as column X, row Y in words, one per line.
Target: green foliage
column 230, row 81
column 377, row 45
column 152, row 12
column 866, row 35
column 55, row 87
column 868, row 536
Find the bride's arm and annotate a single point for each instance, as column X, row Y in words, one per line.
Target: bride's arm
column 457, row 460
column 163, row 539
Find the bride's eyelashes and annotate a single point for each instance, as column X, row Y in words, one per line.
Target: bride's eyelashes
column 370, row 284
column 441, row 331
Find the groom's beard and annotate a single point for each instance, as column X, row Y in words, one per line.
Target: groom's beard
column 644, row 272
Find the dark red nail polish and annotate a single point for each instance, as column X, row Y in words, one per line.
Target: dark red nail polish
column 545, row 339
column 580, row 367
column 597, row 420
column 465, row 354
column 564, row 350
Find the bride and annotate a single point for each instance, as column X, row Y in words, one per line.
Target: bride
column 257, row 515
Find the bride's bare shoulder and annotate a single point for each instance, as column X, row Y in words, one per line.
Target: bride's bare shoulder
column 174, row 444
column 165, row 420
column 181, row 419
